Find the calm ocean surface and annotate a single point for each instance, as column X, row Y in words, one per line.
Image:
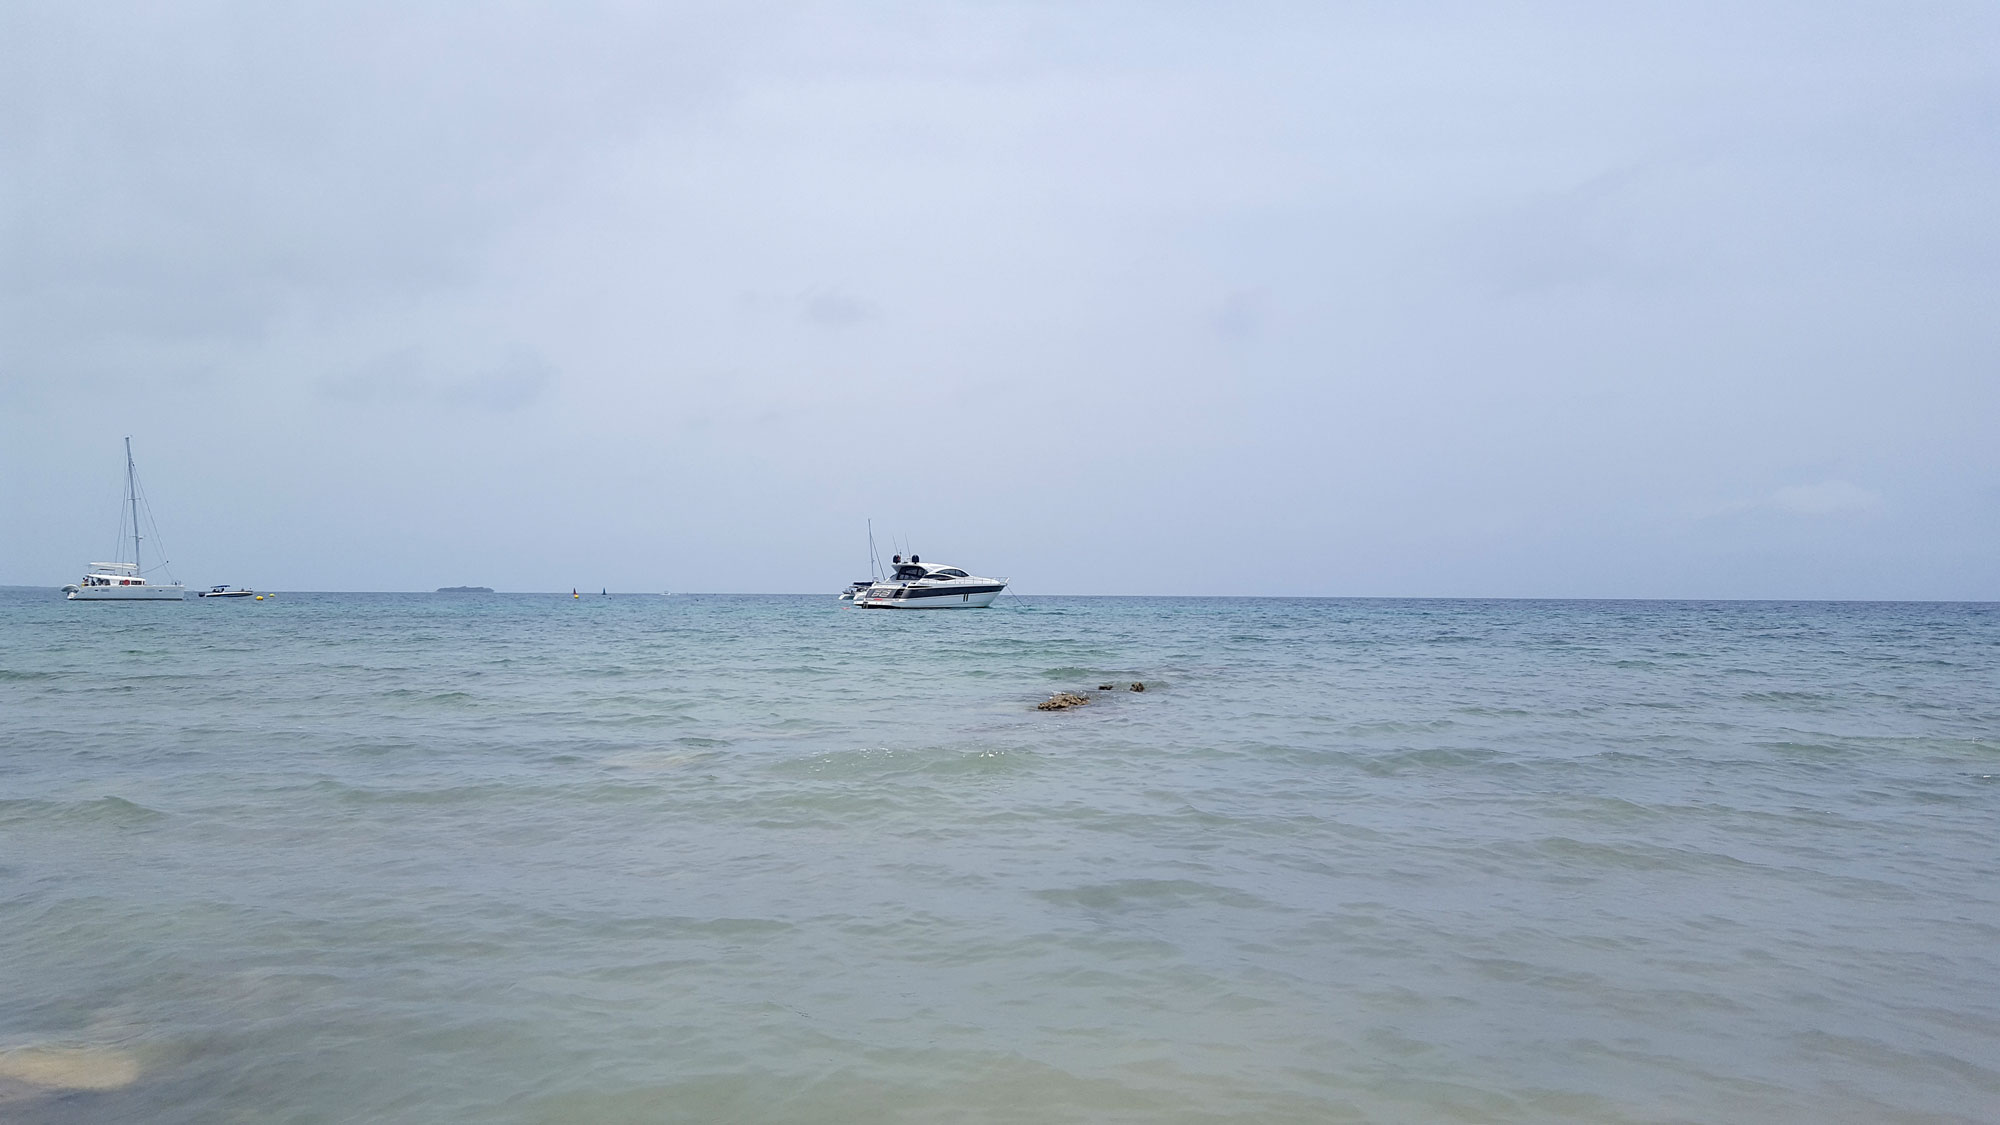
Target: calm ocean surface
column 519, row 858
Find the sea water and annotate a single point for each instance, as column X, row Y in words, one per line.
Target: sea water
column 521, row 858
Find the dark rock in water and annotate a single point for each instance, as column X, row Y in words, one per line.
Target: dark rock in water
column 1061, row 701
column 1107, row 687
column 1138, row 687
column 465, row 589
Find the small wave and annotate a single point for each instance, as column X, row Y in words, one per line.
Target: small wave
column 1611, row 810
column 1787, row 697
column 68, row 1067
column 1150, row 894
column 654, row 760
column 884, row 761
column 1634, row 857
column 445, row 697
column 1815, row 749
column 1434, row 757
column 1364, row 730
column 1071, row 672
column 441, row 795
column 113, row 811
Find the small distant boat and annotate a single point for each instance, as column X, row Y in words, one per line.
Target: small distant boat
column 919, row 585
column 126, row 581
column 226, row 592
column 854, row 589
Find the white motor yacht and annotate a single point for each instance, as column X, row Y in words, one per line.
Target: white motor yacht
column 919, row 585
column 226, row 592
column 125, row 581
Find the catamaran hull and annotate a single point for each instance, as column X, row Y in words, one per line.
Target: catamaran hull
column 128, row 594
column 969, row 597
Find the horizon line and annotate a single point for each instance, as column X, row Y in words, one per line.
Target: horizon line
column 1219, row 597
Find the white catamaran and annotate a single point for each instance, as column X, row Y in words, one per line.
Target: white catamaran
column 124, row 581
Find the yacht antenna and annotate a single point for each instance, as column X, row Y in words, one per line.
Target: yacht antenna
column 132, row 491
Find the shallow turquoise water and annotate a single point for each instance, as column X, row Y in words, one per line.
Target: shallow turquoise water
column 528, row 859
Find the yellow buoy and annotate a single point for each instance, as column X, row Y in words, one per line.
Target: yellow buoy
column 260, row 597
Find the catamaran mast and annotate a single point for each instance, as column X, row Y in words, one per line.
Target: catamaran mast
column 132, row 491
column 874, row 561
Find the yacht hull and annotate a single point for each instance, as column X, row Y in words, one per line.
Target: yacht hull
column 128, row 594
column 938, row 597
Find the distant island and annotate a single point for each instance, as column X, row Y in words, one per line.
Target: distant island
column 465, row 589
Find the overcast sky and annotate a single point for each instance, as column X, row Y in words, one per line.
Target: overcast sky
column 1671, row 300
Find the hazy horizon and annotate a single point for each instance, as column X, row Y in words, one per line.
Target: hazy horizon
column 1545, row 300
column 1030, row 594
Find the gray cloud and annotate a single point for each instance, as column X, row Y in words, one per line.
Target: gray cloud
column 394, row 376
column 1825, row 498
column 404, row 378
column 1241, row 314
column 834, row 309
column 1577, row 236
column 516, row 382
column 817, row 306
